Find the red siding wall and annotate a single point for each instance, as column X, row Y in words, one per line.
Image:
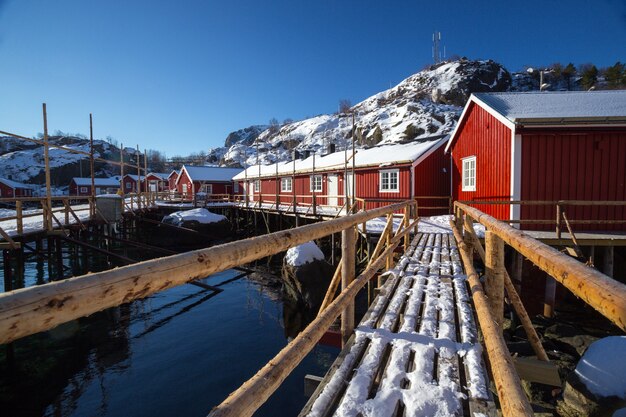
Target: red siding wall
column 432, row 178
column 172, row 182
column 489, row 140
column 574, row 165
column 133, row 185
column 368, row 186
column 184, row 179
column 5, row 190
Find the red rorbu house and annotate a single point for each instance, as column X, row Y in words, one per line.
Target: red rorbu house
column 82, row 186
column 543, row 146
column 171, row 180
column 157, row 182
column 9, row 188
column 387, row 173
column 130, row 183
column 206, row 179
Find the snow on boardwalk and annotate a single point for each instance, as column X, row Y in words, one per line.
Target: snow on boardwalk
column 34, row 222
column 415, row 353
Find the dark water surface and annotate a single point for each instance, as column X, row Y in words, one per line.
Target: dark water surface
column 177, row 353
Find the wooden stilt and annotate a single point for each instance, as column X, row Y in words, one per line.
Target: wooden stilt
column 494, row 282
column 609, row 256
column 59, row 258
column 549, row 297
column 8, row 272
column 347, row 275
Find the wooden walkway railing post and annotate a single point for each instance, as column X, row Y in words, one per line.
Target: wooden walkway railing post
column 348, row 265
column 494, row 276
column 20, row 220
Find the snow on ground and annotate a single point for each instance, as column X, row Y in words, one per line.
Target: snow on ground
column 600, row 368
column 35, row 223
column 200, row 215
column 303, row 254
column 432, row 224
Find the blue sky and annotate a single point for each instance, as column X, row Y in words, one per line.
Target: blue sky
column 179, row 76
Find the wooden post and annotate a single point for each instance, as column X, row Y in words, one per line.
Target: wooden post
column 348, row 264
column 46, row 149
column 389, row 261
column 405, row 221
column 138, row 188
column 469, row 233
column 20, row 220
column 145, row 179
column 549, row 297
column 122, row 169
column 494, row 282
column 609, row 254
column 558, row 221
column 92, row 209
column 8, row 273
column 66, row 208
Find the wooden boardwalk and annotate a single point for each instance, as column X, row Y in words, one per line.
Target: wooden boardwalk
column 415, row 353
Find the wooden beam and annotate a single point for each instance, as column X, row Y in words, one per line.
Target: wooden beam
column 602, row 293
column 494, row 275
column 512, row 398
column 348, row 264
column 34, row 309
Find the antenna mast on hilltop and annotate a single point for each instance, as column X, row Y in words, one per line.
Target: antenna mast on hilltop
column 436, row 52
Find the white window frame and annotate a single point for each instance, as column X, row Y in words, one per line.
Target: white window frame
column 388, row 173
column 468, row 173
column 129, row 185
column 236, row 187
column 185, row 188
column 207, row 188
column 257, row 186
column 317, row 183
column 83, row 190
column 286, row 185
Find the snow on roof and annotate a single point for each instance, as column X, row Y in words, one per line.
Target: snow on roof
column 162, row 175
column 134, row 176
column 303, row 254
column 382, row 155
column 175, row 171
column 99, row 182
column 15, row 184
column 558, row 105
column 206, row 173
column 201, row 215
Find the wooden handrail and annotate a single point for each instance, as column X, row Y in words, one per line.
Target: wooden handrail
column 601, row 292
column 34, row 309
column 513, row 400
column 253, row 393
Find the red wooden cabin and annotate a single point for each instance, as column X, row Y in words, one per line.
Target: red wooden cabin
column 384, row 174
column 82, row 186
column 542, row 146
column 129, row 183
column 171, row 180
column 157, row 182
column 206, row 179
column 9, row 188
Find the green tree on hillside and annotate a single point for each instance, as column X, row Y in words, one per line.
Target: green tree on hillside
column 568, row 72
column 589, row 76
column 616, row 75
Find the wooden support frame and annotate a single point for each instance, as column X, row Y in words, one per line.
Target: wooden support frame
column 604, row 294
column 348, row 265
column 494, row 275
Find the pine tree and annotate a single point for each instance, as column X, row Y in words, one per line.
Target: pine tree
column 568, row 72
column 616, row 75
column 589, row 76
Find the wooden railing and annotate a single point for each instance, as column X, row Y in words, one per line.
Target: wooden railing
column 559, row 218
column 35, row 309
column 599, row 291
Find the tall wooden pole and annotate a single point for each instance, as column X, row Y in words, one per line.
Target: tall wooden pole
column 353, row 185
column 347, row 276
column 91, row 166
column 122, row 168
column 494, row 282
column 138, row 188
column 145, row 171
column 46, row 148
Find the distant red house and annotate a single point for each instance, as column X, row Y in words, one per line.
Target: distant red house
column 206, row 179
column 82, row 186
column 384, row 175
column 9, row 188
column 171, row 180
column 129, row 182
column 544, row 146
column 157, row 182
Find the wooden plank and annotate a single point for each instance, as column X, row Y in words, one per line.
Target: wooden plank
column 535, row 370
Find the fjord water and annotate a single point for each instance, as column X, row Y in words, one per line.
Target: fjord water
column 179, row 352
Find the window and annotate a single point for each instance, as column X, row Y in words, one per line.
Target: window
column 129, row 185
column 83, row 189
column 285, row 184
column 184, row 188
column 389, row 180
column 207, row 188
column 316, row 183
column 469, row 173
column 236, row 187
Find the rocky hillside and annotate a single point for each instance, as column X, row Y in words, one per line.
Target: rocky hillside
column 427, row 103
column 23, row 161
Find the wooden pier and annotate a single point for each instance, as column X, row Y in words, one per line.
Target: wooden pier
column 416, row 351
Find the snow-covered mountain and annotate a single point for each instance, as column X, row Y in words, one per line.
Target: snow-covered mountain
column 23, row 161
column 426, row 103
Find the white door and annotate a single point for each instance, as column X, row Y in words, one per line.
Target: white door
column 332, row 187
column 349, row 185
column 251, row 190
column 153, row 187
